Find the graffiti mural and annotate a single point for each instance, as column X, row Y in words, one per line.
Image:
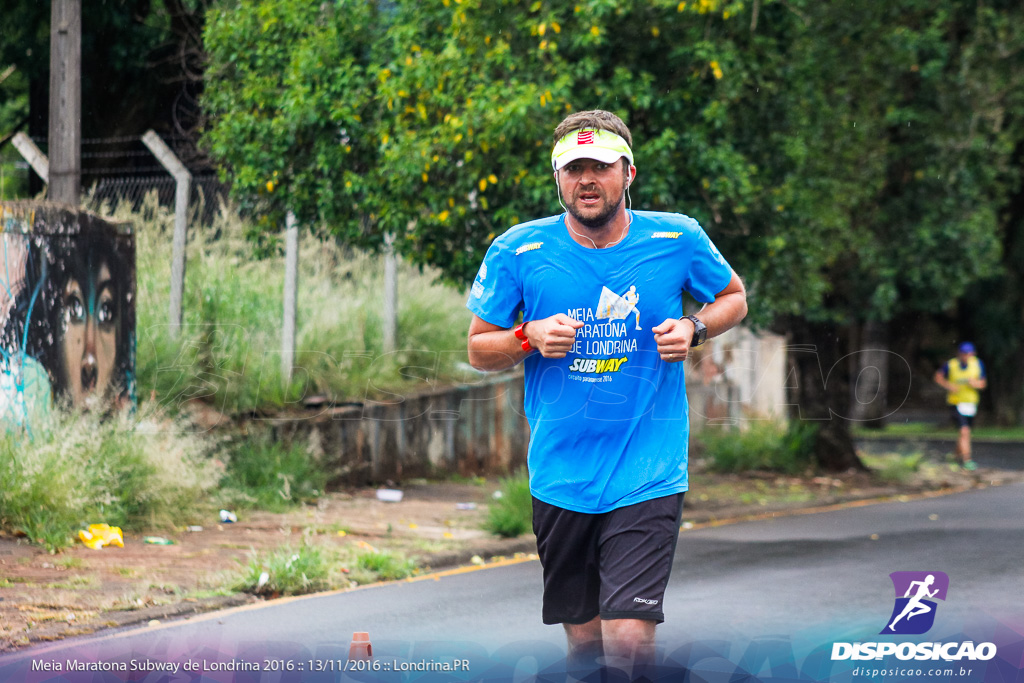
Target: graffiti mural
column 67, row 310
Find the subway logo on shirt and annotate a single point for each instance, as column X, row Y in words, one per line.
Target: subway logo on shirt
column 597, row 365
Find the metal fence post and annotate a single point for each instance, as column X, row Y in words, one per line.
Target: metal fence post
column 183, row 183
column 33, row 155
column 390, row 293
column 291, row 277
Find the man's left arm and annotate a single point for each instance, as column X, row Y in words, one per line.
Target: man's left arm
column 729, row 307
column 982, row 381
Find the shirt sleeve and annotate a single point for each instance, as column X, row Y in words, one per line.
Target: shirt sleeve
column 981, row 368
column 709, row 272
column 945, row 370
column 496, row 296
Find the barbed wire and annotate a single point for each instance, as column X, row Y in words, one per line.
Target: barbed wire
column 132, row 183
column 115, row 155
column 42, row 140
column 122, row 170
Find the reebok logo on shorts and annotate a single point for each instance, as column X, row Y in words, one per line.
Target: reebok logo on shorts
column 645, row 601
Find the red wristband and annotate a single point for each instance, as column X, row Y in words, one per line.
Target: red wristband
column 520, row 334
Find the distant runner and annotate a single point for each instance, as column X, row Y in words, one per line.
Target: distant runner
column 962, row 378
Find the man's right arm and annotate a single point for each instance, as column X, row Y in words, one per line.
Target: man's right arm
column 942, row 380
column 493, row 348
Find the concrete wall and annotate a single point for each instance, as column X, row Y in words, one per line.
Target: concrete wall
column 467, row 430
column 480, row 429
column 738, row 378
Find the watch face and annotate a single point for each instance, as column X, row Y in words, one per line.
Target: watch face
column 700, row 331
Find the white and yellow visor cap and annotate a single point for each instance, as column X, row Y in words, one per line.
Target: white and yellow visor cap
column 602, row 145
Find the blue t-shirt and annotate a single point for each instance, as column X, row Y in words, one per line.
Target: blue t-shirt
column 609, row 424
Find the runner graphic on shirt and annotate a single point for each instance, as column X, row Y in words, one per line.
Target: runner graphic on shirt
column 615, row 307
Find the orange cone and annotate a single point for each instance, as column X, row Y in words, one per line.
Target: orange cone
column 360, row 647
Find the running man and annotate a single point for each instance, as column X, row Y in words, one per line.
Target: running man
column 914, row 606
column 606, row 400
column 962, row 378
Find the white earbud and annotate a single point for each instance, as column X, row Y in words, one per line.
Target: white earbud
column 558, row 191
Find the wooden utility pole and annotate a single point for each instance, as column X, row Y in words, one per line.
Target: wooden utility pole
column 65, row 135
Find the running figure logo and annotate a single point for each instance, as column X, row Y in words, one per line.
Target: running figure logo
column 914, row 612
column 611, row 306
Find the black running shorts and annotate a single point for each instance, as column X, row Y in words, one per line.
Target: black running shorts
column 959, row 419
column 613, row 564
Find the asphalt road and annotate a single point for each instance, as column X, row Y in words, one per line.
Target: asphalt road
column 800, row 583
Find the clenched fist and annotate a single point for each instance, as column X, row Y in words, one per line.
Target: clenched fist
column 673, row 338
column 553, row 336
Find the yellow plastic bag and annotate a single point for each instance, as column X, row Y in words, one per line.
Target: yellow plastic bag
column 100, row 535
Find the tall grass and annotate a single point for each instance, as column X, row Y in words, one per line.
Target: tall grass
column 136, row 472
column 512, row 513
column 228, row 353
column 762, row 446
column 270, row 475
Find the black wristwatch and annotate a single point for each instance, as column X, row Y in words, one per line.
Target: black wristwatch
column 700, row 330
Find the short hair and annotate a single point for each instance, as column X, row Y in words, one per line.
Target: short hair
column 597, row 119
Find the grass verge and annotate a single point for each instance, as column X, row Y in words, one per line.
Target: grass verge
column 312, row 568
column 928, row 430
column 131, row 471
column 894, row 467
column 511, row 514
column 268, row 475
column 761, row 446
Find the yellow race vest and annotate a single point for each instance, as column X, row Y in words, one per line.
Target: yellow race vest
column 959, row 376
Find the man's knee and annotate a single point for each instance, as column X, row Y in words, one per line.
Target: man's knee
column 628, row 635
column 583, row 633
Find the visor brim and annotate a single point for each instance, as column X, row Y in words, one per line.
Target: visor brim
column 604, row 155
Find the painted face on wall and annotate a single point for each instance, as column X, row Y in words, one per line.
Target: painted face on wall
column 89, row 338
column 67, row 307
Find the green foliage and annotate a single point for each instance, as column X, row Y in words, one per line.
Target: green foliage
column 288, row 572
column 894, row 467
column 512, row 514
column 383, row 566
column 142, row 61
column 312, row 568
column 369, row 122
column 13, row 114
column 760, row 446
column 132, row 472
column 271, row 476
column 431, row 122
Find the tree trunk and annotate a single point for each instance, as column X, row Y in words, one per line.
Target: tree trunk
column 870, row 366
column 822, row 392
